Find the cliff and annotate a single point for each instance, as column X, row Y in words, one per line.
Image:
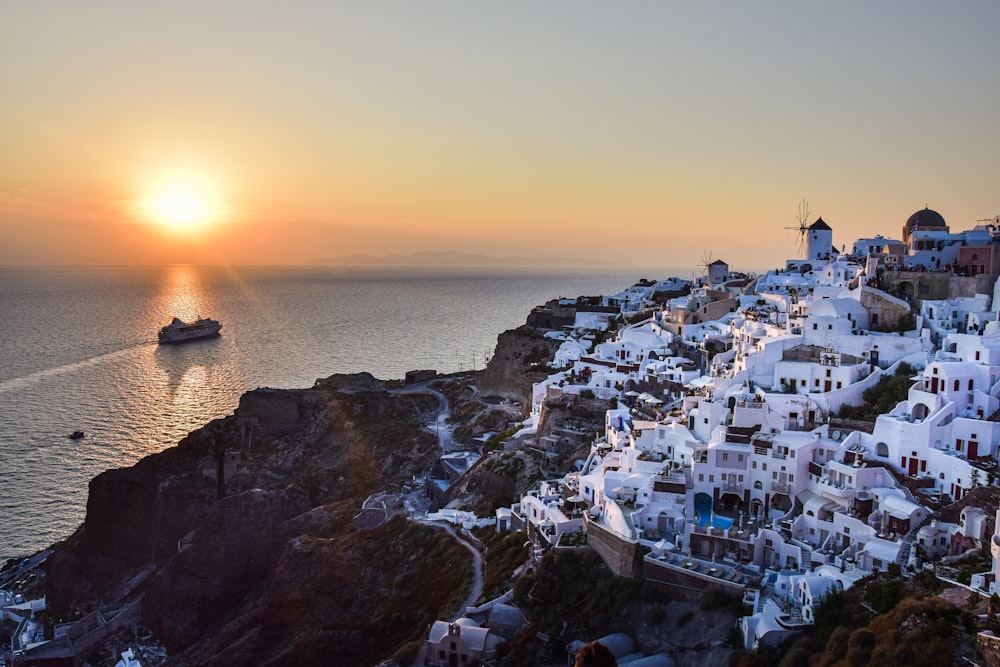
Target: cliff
column 518, row 362
column 239, row 543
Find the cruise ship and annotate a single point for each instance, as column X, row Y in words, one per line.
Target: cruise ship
column 179, row 331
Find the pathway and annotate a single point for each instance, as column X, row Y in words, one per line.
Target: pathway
column 446, row 443
column 441, row 426
column 476, row 589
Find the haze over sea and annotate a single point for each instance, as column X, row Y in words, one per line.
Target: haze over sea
column 78, row 351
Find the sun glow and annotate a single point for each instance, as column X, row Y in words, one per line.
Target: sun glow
column 181, row 204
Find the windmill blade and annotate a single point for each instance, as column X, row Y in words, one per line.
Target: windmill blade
column 707, row 258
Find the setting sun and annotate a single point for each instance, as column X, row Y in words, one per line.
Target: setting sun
column 181, row 203
column 181, row 209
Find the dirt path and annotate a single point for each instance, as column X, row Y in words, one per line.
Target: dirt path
column 477, row 566
column 441, row 426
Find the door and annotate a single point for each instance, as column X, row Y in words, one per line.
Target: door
column 913, row 467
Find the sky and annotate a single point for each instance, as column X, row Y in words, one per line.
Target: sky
column 646, row 133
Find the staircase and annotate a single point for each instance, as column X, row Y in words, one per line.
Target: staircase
column 689, row 515
column 908, row 540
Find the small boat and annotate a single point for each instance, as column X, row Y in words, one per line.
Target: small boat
column 179, row 331
column 76, row 435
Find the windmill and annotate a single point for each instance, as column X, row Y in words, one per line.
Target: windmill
column 803, row 229
column 706, row 261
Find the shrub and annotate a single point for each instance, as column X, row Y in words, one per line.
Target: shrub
column 656, row 614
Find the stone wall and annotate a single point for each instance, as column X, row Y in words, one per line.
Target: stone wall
column 884, row 309
column 619, row 554
column 988, row 647
column 934, row 286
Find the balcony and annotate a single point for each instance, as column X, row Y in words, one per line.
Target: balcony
column 778, row 487
column 825, row 487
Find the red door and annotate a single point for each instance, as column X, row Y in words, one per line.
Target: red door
column 913, row 467
column 973, row 450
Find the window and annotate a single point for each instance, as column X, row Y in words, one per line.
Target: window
column 970, row 384
column 725, row 456
column 711, row 478
column 956, row 385
column 739, row 458
column 754, row 465
column 701, row 477
column 847, row 531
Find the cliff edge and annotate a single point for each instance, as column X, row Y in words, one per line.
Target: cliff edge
column 243, row 544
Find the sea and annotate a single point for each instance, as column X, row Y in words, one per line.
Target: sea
column 78, row 351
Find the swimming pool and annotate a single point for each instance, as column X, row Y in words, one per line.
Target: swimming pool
column 703, row 512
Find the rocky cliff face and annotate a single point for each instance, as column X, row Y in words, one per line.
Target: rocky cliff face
column 518, row 362
column 240, row 544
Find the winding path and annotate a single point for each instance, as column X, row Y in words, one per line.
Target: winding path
column 441, row 427
column 477, row 566
column 446, row 444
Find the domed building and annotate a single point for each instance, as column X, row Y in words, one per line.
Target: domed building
column 925, row 220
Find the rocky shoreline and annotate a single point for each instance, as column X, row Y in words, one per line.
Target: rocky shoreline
column 243, row 543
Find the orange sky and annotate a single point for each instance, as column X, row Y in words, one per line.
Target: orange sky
column 646, row 134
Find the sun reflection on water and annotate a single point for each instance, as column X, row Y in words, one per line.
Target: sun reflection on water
column 182, row 294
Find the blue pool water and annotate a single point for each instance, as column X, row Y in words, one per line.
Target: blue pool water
column 703, row 510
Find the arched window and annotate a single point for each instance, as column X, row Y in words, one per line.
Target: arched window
column 757, row 485
column 882, row 449
column 970, row 384
column 956, row 385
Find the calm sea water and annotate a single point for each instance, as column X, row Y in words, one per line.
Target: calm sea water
column 78, row 351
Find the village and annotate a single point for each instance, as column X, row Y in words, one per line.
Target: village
column 726, row 460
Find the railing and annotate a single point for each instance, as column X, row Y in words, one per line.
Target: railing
column 732, row 488
column 778, row 487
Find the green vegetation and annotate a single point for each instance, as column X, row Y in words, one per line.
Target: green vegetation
column 576, row 588
column 911, row 627
column 504, row 554
column 881, row 398
column 508, row 465
column 496, row 441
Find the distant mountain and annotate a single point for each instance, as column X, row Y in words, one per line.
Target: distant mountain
column 461, row 259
